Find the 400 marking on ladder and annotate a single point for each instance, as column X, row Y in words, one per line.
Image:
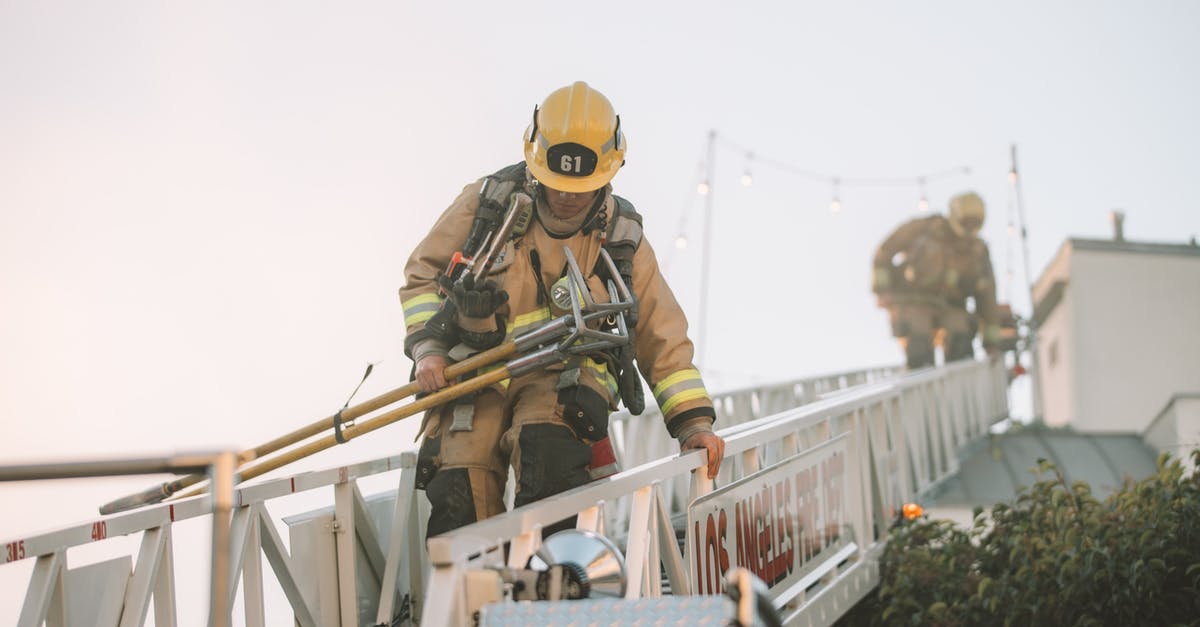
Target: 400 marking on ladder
column 99, row 530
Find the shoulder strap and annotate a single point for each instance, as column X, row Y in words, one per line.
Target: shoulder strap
column 494, row 197
column 626, row 227
column 514, row 173
column 624, row 237
column 499, row 186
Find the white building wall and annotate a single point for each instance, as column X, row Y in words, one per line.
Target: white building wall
column 1177, row 429
column 1135, row 340
column 1056, row 350
column 1056, row 345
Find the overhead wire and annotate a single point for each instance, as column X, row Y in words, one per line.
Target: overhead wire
column 837, row 182
column 841, row 180
column 754, row 157
column 681, row 230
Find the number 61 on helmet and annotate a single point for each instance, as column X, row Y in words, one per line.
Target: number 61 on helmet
column 574, row 142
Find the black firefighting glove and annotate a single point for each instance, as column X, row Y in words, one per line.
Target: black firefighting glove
column 474, row 300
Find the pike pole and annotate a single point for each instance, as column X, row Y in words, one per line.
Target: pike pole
column 514, row 368
column 546, row 339
column 453, row 371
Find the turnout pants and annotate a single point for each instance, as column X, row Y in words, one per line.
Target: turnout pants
column 922, row 325
column 543, row 425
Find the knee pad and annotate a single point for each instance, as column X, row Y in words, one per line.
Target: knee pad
column 451, row 500
column 552, row 460
column 958, row 346
column 918, row 350
column 585, row 411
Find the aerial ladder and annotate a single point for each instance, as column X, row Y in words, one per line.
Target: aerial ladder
column 364, row 561
column 790, row 531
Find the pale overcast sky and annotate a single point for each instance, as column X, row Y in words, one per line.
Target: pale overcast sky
column 205, row 208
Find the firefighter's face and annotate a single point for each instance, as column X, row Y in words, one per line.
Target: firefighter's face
column 971, row 225
column 567, row 205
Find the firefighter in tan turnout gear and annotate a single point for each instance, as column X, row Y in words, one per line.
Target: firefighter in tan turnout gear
column 925, row 272
column 544, row 423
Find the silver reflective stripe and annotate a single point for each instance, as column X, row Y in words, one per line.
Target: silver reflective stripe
column 420, row 308
column 680, row 387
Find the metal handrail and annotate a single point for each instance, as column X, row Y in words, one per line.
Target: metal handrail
column 932, row 412
column 904, row 434
column 220, row 466
column 642, row 438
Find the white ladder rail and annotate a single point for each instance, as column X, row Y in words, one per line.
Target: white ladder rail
column 911, row 427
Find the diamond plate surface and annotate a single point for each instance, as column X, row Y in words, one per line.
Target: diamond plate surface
column 693, row 611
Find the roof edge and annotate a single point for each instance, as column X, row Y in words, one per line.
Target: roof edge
column 1157, row 248
column 1176, row 397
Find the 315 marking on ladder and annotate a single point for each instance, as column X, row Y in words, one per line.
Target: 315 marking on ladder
column 14, row 551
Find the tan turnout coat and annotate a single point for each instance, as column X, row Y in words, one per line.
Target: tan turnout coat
column 664, row 352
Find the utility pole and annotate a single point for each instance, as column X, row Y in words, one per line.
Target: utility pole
column 1035, row 369
column 705, row 248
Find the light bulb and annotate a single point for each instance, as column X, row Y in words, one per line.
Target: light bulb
column 681, row 242
column 702, row 189
column 1012, row 229
column 747, row 178
column 836, row 205
column 923, row 204
column 1012, row 176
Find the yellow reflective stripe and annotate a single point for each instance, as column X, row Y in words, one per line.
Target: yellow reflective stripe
column 601, row 372
column 423, row 299
column 526, row 321
column 418, row 317
column 680, row 387
column 532, row 317
column 420, row 308
column 682, row 375
column 683, row 397
column 600, row 369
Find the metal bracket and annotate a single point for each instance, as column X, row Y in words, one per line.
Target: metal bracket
column 584, row 309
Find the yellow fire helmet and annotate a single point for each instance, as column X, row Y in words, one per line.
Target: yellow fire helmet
column 966, row 214
column 575, row 143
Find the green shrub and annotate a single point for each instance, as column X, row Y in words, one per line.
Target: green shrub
column 1055, row 556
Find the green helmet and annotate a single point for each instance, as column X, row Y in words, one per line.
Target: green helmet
column 966, row 214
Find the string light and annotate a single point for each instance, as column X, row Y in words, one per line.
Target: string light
column 754, row 159
column 1011, row 229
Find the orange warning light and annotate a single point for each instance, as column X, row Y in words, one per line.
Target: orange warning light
column 912, row 511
